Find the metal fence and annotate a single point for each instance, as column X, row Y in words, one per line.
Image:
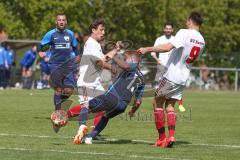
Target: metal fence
column 202, row 78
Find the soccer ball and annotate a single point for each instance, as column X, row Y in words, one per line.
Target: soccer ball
column 59, row 118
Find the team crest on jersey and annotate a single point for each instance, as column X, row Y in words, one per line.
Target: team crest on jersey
column 66, row 38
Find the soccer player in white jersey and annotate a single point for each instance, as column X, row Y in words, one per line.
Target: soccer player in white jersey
column 162, row 59
column 92, row 63
column 186, row 47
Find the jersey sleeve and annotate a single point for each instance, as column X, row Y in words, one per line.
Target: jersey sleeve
column 46, row 41
column 95, row 55
column 178, row 40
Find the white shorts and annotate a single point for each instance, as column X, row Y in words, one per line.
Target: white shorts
column 86, row 93
column 169, row 89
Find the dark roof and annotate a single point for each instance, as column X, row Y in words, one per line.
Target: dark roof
column 19, row 44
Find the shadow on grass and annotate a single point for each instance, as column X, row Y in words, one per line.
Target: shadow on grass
column 58, row 144
column 128, row 141
column 46, row 118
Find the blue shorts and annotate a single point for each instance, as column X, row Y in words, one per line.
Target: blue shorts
column 110, row 103
column 63, row 75
column 45, row 69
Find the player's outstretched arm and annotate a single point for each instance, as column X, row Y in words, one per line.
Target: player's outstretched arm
column 113, row 52
column 135, row 107
column 104, row 65
column 138, row 101
column 160, row 48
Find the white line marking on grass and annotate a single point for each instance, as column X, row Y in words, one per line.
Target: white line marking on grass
column 206, row 145
column 114, row 140
column 88, row 153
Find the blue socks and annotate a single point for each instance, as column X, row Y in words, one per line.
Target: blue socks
column 100, row 126
column 83, row 116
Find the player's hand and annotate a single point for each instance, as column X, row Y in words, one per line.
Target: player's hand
column 137, row 102
column 109, row 55
column 142, row 51
column 119, row 45
column 158, row 61
column 42, row 54
column 136, row 105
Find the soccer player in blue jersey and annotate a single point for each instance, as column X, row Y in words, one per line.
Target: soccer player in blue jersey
column 64, row 56
column 114, row 102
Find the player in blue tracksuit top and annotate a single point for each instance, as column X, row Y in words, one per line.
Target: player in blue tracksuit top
column 10, row 58
column 114, row 102
column 27, row 61
column 45, row 69
column 64, row 56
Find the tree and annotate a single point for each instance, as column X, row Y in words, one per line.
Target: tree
column 138, row 21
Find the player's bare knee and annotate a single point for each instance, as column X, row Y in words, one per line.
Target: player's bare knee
column 170, row 104
column 154, row 103
column 159, row 102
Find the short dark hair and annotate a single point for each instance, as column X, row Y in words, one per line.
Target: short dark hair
column 60, row 14
column 168, row 23
column 196, row 17
column 95, row 24
column 133, row 54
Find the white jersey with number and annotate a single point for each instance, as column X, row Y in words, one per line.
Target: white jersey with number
column 188, row 45
column 164, row 56
column 89, row 73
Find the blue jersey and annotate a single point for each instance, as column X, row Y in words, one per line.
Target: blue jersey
column 128, row 84
column 28, row 59
column 9, row 56
column 2, row 56
column 63, row 45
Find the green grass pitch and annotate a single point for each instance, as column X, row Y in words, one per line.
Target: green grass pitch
column 209, row 129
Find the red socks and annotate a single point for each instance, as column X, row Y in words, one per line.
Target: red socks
column 97, row 118
column 171, row 120
column 74, row 111
column 160, row 122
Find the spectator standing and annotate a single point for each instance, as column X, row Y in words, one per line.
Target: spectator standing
column 27, row 67
column 3, row 67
